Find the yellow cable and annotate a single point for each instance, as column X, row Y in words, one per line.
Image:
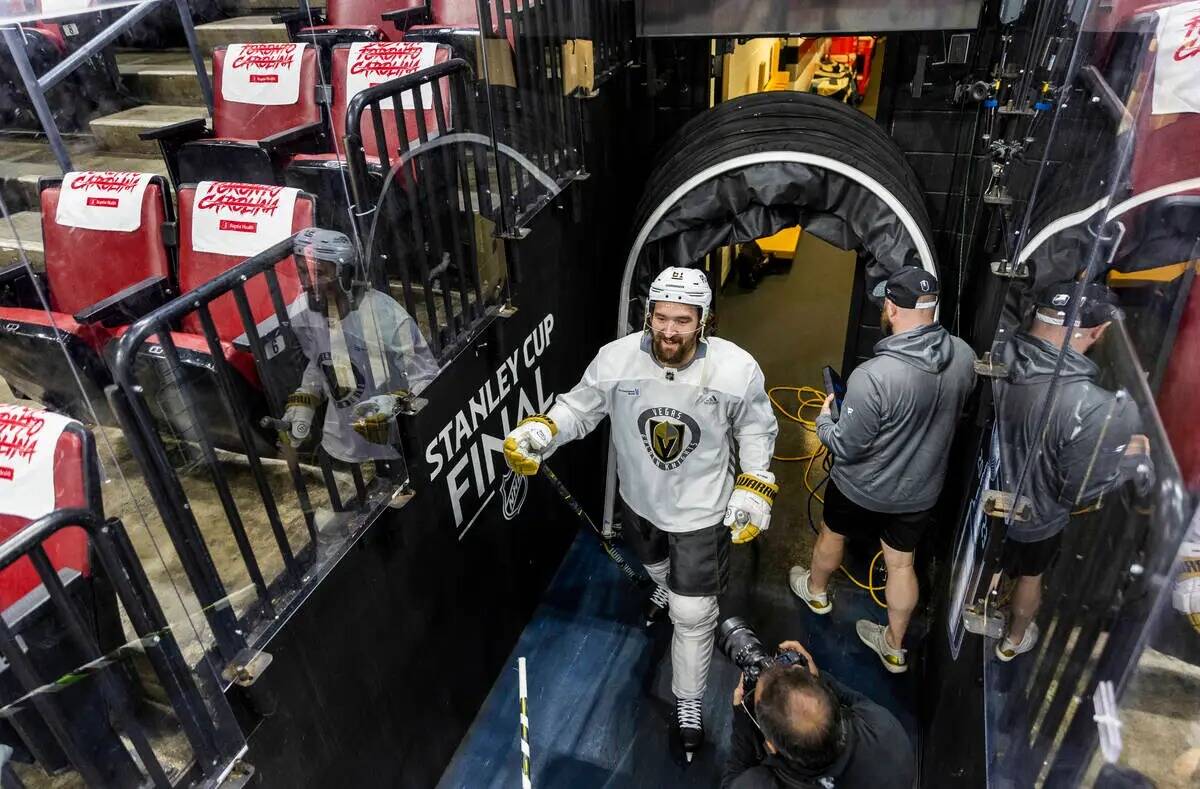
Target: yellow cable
column 816, row 399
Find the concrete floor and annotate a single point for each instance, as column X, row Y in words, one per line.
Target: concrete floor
column 599, row 683
column 793, row 324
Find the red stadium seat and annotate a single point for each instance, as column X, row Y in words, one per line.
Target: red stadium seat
column 347, row 21
column 198, row 266
column 456, row 13
column 68, row 549
column 320, row 174
column 48, row 464
column 456, row 24
column 253, row 137
column 250, row 218
column 84, row 266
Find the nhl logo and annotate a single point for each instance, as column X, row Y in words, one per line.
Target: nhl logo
column 512, row 494
column 669, row 436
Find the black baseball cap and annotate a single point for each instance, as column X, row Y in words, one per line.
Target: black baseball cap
column 904, row 287
column 1098, row 306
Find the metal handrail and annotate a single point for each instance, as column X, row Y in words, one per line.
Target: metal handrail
column 198, row 717
column 37, row 87
column 171, row 312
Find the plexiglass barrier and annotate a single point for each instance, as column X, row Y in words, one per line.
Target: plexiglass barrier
column 1081, row 501
column 234, row 254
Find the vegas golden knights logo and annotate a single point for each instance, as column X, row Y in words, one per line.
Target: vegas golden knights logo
column 669, row 436
column 666, row 440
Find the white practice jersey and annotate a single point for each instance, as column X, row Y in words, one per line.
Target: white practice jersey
column 674, row 429
column 376, row 349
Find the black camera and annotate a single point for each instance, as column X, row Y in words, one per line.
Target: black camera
column 746, row 650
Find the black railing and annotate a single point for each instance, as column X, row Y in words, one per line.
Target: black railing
column 542, row 121
column 608, row 24
column 212, row 397
column 90, row 742
column 426, row 207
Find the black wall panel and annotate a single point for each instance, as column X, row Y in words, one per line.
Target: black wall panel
column 378, row 675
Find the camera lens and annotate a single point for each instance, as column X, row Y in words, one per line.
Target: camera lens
column 740, row 644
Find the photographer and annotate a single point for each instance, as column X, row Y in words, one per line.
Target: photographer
column 799, row 729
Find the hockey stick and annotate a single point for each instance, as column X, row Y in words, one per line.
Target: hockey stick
column 640, row 580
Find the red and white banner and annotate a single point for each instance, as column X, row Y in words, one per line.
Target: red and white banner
column 1177, row 68
column 55, row 7
column 102, row 200
column 373, row 63
column 28, row 438
column 240, row 219
column 267, row 74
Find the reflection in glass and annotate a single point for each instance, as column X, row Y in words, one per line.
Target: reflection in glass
column 1064, row 443
column 366, row 356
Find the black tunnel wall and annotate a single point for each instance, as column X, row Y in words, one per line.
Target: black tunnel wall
column 941, row 138
column 377, row 677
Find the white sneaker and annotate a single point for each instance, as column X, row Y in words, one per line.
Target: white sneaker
column 875, row 636
column 798, row 579
column 1006, row 650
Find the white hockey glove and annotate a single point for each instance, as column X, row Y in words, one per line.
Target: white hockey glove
column 748, row 513
column 525, row 445
column 1185, row 596
column 299, row 412
column 373, row 417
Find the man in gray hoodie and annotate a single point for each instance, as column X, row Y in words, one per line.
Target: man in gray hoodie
column 1089, row 444
column 890, row 446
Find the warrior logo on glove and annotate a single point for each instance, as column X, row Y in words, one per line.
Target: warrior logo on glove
column 669, row 435
column 749, row 510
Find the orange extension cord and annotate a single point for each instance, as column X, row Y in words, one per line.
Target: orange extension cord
column 812, row 398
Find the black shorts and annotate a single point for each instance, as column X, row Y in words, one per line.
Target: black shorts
column 699, row 559
column 1019, row 559
column 901, row 531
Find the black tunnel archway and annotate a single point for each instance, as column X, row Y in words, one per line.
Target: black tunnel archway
column 751, row 167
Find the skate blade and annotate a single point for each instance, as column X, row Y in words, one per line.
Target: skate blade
column 688, row 756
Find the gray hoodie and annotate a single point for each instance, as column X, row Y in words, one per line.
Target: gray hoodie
column 1081, row 454
column 892, row 441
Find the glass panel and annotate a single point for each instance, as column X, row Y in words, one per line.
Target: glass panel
column 1159, row 714
column 1086, row 502
column 536, row 66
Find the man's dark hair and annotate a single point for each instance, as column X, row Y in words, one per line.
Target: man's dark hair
column 800, row 715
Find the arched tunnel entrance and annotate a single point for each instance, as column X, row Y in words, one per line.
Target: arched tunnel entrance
column 746, row 170
column 755, row 166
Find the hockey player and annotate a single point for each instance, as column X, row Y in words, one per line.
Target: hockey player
column 678, row 401
column 366, row 355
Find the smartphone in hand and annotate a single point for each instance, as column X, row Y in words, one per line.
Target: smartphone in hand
column 835, row 386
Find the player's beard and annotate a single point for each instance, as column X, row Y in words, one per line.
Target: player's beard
column 673, row 351
column 885, row 323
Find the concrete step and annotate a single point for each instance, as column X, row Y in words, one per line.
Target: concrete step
column 245, row 7
column 119, row 131
column 162, row 77
column 29, row 231
column 22, row 162
column 257, row 29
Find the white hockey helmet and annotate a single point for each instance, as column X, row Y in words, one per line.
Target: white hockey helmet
column 682, row 286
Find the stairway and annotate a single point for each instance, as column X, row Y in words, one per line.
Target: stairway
column 164, row 82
